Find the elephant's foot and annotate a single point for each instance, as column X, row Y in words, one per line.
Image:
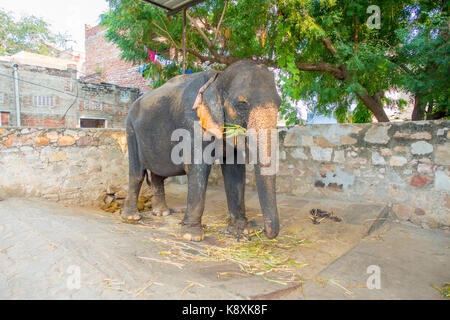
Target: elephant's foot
column 242, row 227
column 161, row 212
column 129, row 217
column 192, row 233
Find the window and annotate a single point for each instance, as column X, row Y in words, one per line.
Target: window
column 2, row 98
column 43, row 101
column 92, row 123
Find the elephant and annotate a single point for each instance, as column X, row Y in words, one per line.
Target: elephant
column 243, row 94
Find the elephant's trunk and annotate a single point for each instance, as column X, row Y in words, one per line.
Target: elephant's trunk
column 268, row 201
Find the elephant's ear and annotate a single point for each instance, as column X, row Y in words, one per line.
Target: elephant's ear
column 209, row 108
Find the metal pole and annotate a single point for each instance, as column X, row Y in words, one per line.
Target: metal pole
column 184, row 41
column 16, row 93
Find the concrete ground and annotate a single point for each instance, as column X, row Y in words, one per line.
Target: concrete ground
column 51, row 251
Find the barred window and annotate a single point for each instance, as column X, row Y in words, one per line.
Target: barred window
column 43, row 101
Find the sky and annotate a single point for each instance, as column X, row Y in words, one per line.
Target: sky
column 64, row 16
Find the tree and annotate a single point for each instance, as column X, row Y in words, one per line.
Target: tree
column 332, row 53
column 27, row 33
column 424, row 59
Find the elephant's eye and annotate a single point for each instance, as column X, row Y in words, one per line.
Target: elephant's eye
column 242, row 105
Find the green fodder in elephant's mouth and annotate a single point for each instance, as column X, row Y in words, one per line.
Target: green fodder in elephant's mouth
column 269, row 259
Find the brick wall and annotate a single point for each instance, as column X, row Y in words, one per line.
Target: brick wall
column 103, row 62
column 55, row 98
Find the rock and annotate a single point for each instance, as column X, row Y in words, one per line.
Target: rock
column 419, row 181
column 323, row 142
column 58, row 156
column 109, row 199
column 377, row 134
column 377, row 159
column 442, row 154
column 441, row 181
column 339, row 156
column 386, row 152
column 421, row 147
column 397, row 161
column 12, row 140
column 399, row 134
column 307, row 141
column 419, row 212
column 41, row 141
column 292, row 138
column 421, row 135
column 121, row 194
column 299, row 154
column 66, row 141
column 417, row 136
column 402, row 212
column 84, row 141
column 320, row 154
column 111, row 189
column 52, row 136
column 424, row 168
column 347, row 140
column 401, row 149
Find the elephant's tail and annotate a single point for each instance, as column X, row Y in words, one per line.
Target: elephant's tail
column 147, row 178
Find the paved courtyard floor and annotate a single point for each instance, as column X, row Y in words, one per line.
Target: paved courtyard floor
column 52, row 251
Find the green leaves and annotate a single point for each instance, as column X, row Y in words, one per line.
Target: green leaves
column 327, row 53
column 27, row 33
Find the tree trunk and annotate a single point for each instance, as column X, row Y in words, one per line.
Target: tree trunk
column 419, row 108
column 374, row 104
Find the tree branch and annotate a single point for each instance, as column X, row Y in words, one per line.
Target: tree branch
column 220, row 22
column 215, row 56
column 200, row 31
column 329, row 45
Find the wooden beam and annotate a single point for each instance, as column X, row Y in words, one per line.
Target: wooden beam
column 184, row 41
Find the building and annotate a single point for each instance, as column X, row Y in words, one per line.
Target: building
column 103, row 62
column 54, row 97
column 34, row 59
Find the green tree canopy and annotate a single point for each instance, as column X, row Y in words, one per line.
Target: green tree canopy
column 27, row 33
column 332, row 53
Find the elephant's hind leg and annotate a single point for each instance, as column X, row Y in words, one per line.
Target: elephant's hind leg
column 137, row 174
column 159, row 205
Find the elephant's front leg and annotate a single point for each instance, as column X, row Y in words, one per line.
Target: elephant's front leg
column 234, row 179
column 191, row 228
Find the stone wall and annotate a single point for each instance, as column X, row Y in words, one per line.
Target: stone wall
column 75, row 166
column 405, row 165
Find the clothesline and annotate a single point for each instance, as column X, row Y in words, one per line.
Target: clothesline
column 155, row 58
